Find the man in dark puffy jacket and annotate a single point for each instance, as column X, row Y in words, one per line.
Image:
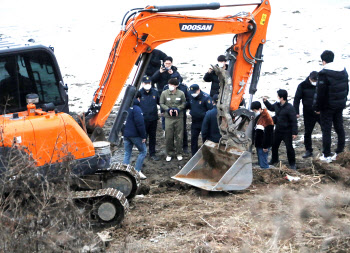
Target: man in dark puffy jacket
column 135, row 134
column 211, row 76
column 210, row 128
column 331, row 94
column 199, row 103
column 262, row 133
column 306, row 92
column 286, row 127
column 165, row 73
column 149, row 100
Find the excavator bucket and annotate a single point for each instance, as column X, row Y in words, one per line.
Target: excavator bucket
column 213, row 169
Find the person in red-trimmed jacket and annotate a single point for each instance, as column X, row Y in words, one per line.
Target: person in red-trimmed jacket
column 262, row 133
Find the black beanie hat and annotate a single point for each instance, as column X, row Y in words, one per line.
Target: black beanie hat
column 256, row 105
column 221, row 58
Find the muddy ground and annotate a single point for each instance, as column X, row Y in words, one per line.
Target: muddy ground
column 272, row 215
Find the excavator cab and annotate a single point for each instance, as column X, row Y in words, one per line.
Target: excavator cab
column 29, row 70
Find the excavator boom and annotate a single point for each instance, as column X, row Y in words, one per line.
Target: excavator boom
column 145, row 29
column 215, row 167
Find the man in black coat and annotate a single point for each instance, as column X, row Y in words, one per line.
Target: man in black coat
column 286, row 129
column 210, row 76
column 331, row 94
column 165, row 73
column 199, row 103
column 306, row 92
column 210, row 128
column 149, row 100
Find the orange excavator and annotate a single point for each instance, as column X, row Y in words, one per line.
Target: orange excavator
column 35, row 116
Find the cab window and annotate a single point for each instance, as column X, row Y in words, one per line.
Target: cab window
column 25, row 73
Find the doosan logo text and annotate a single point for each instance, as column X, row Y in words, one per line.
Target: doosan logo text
column 197, row 27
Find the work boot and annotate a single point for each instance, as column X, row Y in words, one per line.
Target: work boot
column 293, row 167
column 307, row 154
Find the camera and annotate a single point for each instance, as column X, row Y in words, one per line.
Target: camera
column 165, row 68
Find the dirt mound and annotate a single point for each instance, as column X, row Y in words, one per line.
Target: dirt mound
column 272, row 176
column 338, row 170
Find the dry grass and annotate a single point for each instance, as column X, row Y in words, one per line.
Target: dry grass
column 305, row 216
column 37, row 213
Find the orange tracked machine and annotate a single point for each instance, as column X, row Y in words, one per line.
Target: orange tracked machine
column 35, row 115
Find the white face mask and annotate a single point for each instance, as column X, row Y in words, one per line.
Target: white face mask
column 194, row 95
column 313, row 83
column 171, row 88
column 221, row 64
column 257, row 113
column 147, row 86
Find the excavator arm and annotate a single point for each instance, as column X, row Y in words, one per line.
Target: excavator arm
column 145, row 29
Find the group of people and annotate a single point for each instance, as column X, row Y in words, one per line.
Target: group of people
column 162, row 86
column 323, row 95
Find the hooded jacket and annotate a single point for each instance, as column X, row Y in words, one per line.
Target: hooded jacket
column 210, row 129
column 332, row 88
column 135, row 125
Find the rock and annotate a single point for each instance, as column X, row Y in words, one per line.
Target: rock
column 143, row 189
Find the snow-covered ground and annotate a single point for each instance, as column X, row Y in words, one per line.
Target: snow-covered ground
column 83, row 32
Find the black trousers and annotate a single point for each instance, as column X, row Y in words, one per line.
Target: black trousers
column 327, row 118
column 195, row 131
column 151, row 130
column 310, row 119
column 287, row 138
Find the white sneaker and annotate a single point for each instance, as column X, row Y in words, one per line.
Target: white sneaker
column 142, row 176
column 179, row 157
column 163, row 134
column 168, row 158
column 327, row 159
column 334, row 157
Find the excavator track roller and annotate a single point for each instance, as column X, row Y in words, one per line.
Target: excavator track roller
column 122, row 182
column 105, row 207
column 122, row 177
